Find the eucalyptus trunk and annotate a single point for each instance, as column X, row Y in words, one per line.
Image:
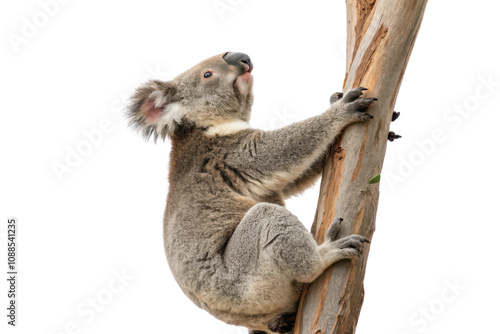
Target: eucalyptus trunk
column 380, row 38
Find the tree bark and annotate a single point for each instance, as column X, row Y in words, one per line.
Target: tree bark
column 380, row 38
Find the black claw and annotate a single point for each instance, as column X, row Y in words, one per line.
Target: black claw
column 363, row 88
column 393, row 136
column 374, row 99
column 395, row 115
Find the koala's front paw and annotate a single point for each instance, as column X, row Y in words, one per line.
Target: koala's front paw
column 351, row 107
column 350, row 246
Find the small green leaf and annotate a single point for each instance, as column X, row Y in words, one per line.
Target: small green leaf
column 375, row 179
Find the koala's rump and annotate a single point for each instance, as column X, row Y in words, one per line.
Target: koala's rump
column 237, row 294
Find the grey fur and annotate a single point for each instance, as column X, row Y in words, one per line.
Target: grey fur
column 231, row 245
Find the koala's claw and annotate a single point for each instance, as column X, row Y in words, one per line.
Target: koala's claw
column 360, row 106
column 362, row 103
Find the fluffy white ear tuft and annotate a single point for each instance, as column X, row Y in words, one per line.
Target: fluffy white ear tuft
column 149, row 110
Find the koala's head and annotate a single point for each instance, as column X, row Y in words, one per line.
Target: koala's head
column 216, row 91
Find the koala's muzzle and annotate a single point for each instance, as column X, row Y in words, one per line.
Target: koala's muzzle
column 240, row 60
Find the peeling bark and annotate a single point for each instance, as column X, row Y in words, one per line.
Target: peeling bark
column 380, row 38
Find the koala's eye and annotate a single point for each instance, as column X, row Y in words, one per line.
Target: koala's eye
column 207, row 75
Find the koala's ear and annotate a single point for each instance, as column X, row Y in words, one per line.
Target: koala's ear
column 151, row 109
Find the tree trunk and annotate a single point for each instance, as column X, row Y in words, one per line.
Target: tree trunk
column 380, row 38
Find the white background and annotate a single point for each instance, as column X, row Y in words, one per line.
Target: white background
column 437, row 222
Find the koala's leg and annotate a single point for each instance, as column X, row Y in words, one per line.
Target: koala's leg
column 334, row 250
column 331, row 251
column 270, row 251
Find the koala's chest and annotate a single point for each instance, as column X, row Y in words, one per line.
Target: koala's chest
column 236, row 179
column 211, row 166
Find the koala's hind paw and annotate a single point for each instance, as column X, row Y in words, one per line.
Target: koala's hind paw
column 283, row 323
column 351, row 245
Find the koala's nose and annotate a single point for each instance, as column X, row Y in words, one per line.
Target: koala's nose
column 240, row 60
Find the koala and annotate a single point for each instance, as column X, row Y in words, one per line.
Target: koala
column 232, row 246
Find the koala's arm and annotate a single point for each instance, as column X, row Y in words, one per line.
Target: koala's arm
column 291, row 154
column 285, row 156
